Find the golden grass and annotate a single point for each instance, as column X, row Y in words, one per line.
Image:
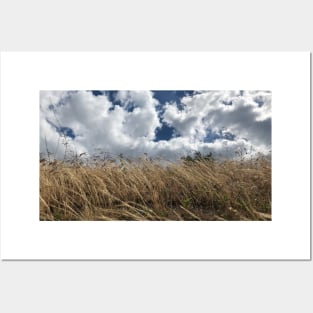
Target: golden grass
column 200, row 190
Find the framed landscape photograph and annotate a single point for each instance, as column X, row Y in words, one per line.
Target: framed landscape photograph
column 155, row 155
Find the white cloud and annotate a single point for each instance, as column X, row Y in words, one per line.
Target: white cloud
column 130, row 127
column 233, row 111
column 143, row 120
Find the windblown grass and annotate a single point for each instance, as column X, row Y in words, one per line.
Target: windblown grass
column 199, row 190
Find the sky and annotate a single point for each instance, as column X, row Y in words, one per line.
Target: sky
column 167, row 124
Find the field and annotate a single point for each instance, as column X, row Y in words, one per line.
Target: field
column 199, row 190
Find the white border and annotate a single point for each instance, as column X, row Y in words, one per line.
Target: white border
column 23, row 74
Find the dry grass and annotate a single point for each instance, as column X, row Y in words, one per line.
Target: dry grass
column 200, row 190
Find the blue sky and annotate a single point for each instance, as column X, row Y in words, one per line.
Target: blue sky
column 166, row 123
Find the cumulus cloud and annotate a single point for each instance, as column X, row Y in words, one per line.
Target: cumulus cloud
column 143, row 119
column 243, row 113
column 80, row 121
